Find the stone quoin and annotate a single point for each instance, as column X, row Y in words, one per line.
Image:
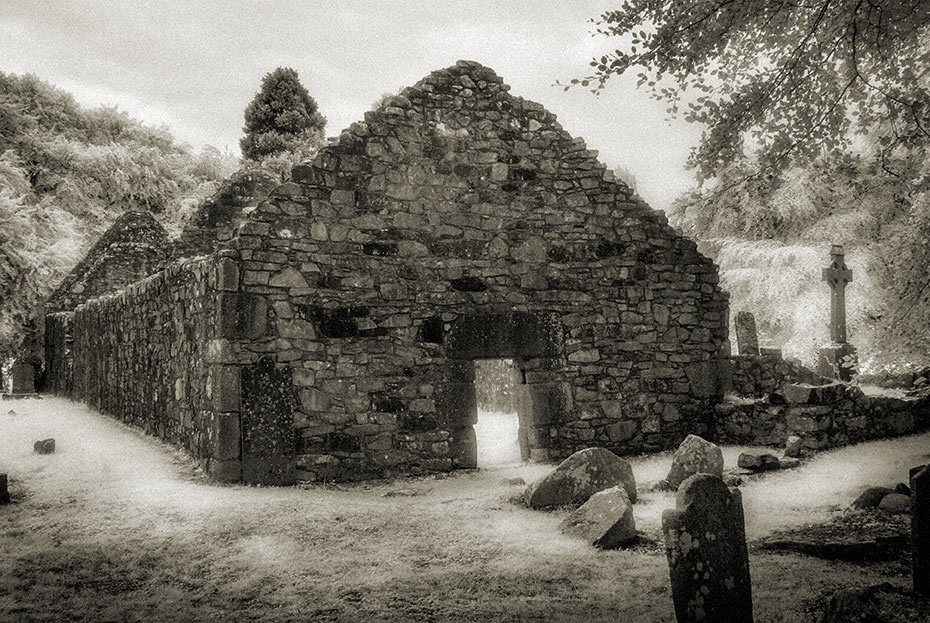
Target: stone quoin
column 333, row 337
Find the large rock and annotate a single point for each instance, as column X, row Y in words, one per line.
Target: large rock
column 695, row 456
column 870, row 498
column 579, row 477
column 604, row 521
column 895, row 503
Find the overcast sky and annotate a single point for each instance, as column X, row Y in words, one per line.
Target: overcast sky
column 194, row 65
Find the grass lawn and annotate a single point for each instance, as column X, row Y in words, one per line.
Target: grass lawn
column 116, row 526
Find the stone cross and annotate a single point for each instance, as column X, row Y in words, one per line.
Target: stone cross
column 708, row 562
column 837, row 275
column 920, row 529
column 747, row 340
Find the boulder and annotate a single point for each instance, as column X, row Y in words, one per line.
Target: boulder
column 579, row 477
column 793, row 446
column 895, row 503
column 871, row 497
column 45, row 446
column 604, row 521
column 760, row 462
column 695, row 456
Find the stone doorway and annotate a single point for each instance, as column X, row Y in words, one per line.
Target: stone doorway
column 533, row 342
column 501, row 408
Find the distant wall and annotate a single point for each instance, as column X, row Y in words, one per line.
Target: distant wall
column 823, row 416
column 759, row 375
column 147, row 355
column 59, row 340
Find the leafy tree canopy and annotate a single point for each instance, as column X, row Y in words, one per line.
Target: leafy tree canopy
column 281, row 117
column 790, row 80
column 66, row 174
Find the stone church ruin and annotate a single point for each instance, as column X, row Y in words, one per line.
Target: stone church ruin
column 334, row 336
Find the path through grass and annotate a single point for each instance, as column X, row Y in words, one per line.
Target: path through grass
column 116, row 526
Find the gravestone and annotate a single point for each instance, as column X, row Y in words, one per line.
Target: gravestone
column 4, row 490
column 23, row 376
column 747, row 340
column 920, row 529
column 837, row 360
column 708, row 561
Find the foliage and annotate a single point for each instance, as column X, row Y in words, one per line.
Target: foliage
column 66, row 174
column 770, row 246
column 795, row 80
column 281, row 117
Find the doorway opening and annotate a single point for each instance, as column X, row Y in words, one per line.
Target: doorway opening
column 500, row 393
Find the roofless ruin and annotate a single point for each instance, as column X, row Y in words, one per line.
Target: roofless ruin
column 334, row 336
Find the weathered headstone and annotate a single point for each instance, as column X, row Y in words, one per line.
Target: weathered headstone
column 4, row 490
column 695, row 455
column 747, row 340
column 23, row 376
column 837, row 360
column 920, row 529
column 44, row 446
column 708, row 561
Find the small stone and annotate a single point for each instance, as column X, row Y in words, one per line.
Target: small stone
column 758, row 462
column 605, row 520
column 788, row 462
column 870, row 498
column 793, row 446
column 11, row 412
column 404, row 493
column 903, row 489
column 732, row 480
column 695, row 456
column 895, row 503
column 579, row 477
column 45, row 446
column 513, row 481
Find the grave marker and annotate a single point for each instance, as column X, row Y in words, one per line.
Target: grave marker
column 920, row 529
column 708, row 562
column 834, row 361
column 23, row 378
column 747, row 340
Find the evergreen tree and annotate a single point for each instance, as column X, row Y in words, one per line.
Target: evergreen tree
column 281, row 117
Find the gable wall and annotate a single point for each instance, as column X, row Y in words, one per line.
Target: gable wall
column 453, row 207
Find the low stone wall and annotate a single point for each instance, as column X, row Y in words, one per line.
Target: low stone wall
column 59, row 339
column 823, row 416
column 146, row 356
column 757, row 376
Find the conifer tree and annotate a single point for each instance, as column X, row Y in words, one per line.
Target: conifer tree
column 281, row 117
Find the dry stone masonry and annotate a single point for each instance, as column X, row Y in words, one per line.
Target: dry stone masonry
column 334, row 336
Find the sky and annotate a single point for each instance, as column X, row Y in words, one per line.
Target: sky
column 195, row 65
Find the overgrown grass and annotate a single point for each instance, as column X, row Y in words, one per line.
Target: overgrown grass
column 118, row 527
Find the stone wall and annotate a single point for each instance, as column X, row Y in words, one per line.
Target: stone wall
column 757, row 376
column 58, row 353
column 458, row 222
column 823, row 416
column 149, row 356
column 133, row 248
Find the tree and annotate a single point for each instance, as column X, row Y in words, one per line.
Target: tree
column 281, row 117
column 790, row 80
